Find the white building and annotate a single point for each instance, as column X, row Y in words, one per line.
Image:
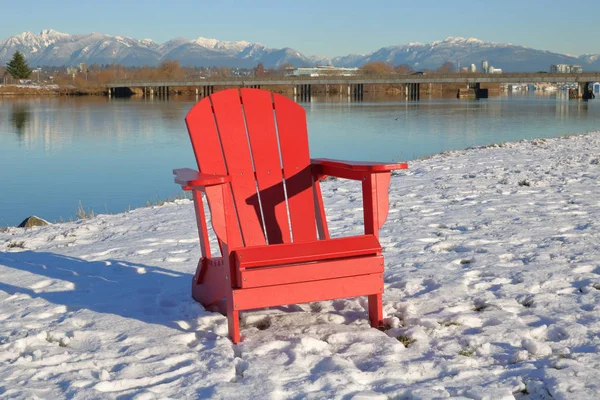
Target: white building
column 484, row 66
column 566, row 69
column 473, row 68
column 322, row 70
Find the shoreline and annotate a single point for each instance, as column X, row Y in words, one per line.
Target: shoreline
column 83, row 214
column 54, row 90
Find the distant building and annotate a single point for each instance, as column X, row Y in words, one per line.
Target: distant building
column 83, row 67
column 473, row 68
column 464, row 69
column 484, row 66
column 566, row 69
column 321, row 70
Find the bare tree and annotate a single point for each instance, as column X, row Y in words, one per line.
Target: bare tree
column 447, row 67
column 403, row 69
column 171, row 69
column 259, row 71
column 377, row 68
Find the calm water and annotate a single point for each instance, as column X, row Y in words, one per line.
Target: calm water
column 111, row 155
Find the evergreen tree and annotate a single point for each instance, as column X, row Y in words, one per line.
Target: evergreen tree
column 17, row 67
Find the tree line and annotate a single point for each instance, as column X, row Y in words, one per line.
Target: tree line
column 96, row 74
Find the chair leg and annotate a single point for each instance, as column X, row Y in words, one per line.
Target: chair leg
column 375, row 310
column 233, row 323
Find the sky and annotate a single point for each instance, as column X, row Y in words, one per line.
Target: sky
column 320, row 27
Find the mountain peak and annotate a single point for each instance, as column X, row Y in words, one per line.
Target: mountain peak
column 221, row 44
column 51, row 32
column 460, row 40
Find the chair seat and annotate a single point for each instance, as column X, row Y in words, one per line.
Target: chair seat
column 295, row 253
column 284, row 264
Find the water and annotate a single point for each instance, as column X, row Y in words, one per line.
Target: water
column 56, row 153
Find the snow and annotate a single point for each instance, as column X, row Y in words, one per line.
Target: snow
column 492, row 291
column 461, row 40
column 222, row 44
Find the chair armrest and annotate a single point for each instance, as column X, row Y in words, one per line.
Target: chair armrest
column 188, row 177
column 352, row 169
column 366, row 166
column 375, row 179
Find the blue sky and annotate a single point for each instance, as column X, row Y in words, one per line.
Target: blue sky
column 325, row 27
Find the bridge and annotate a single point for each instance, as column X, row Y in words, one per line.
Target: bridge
column 354, row 84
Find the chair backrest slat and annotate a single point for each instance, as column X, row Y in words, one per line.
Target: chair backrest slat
column 260, row 122
column 234, row 141
column 206, row 143
column 293, row 142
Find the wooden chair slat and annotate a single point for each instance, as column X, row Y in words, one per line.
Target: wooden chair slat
column 260, row 122
column 279, row 254
column 234, row 141
column 293, row 142
column 205, row 140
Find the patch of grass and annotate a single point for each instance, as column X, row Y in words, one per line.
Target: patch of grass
column 405, row 340
column 316, row 307
column 596, row 286
column 449, row 323
column 159, row 202
column 82, row 213
column 263, row 324
column 481, row 307
column 384, row 327
column 467, row 352
column 524, row 182
column 527, row 303
column 465, row 262
column 15, row 244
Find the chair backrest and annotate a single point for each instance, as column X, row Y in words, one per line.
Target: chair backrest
column 259, row 139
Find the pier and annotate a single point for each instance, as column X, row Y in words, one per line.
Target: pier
column 353, row 86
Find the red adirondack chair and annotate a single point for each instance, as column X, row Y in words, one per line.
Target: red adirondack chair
column 266, row 209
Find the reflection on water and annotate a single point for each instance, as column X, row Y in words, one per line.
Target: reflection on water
column 112, row 154
column 19, row 117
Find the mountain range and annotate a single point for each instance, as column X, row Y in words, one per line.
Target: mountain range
column 52, row 48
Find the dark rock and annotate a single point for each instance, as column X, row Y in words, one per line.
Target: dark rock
column 32, row 221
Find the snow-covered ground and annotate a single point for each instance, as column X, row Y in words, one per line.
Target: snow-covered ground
column 492, row 292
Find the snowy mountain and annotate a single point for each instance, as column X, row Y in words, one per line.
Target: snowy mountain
column 464, row 51
column 52, row 48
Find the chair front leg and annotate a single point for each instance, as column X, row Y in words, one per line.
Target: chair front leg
column 375, row 310
column 375, row 188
